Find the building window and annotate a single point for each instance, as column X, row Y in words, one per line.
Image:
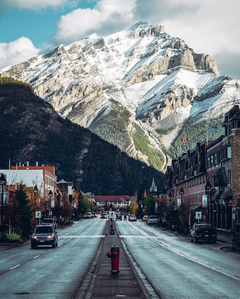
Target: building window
column 211, row 163
column 229, row 177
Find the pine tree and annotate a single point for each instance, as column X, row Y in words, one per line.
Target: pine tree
column 24, row 211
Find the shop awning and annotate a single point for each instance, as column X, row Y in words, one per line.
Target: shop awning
column 227, row 194
column 196, row 207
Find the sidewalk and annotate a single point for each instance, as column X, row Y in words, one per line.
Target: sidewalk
column 222, row 236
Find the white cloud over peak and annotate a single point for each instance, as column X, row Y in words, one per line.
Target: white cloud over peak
column 103, row 18
column 207, row 26
column 16, row 51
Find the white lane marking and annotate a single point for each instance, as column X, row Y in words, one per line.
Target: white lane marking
column 36, row 256
column 77, row 237
column 15, row 267
column 190, row 257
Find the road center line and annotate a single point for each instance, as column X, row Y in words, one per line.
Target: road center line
column 15, row 267
column 77, row 237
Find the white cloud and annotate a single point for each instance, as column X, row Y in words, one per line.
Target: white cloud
column 207, row 26
column 104, row 17
column 8, row 5
column 32, row 4
column 16, row 51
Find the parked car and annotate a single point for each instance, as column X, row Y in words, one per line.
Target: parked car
column 44, row 235
column 47, row 221
column 203, row 232
column 153, row 219
column 132, row 218
column 236, row 238
column 145, row 218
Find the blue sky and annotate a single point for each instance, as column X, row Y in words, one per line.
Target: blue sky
column 30, row 27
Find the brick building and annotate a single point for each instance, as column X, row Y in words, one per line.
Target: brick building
column 210, row 171
column 118, row 202
column 43, row 177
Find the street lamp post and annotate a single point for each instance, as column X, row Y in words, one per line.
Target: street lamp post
column 35, row 191
column 208, row 187
column 2, row 183
column 50, row 196
column 181, row 191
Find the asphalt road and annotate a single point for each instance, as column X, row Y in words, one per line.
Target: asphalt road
column 178, row 268
column 51, row 273
column 174, row 267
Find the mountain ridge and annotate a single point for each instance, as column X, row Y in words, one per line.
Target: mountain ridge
column 131, row 87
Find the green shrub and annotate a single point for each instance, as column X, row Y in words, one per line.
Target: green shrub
column 13, row 237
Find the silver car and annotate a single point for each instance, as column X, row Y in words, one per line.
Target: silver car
column 153, row 220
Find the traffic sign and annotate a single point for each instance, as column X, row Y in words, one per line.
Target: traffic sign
column 38, row 214
column 198, row 215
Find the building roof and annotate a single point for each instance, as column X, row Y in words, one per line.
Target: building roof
column 114, row 198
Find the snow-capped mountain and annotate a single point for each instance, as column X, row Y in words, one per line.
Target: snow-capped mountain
column 137, row 88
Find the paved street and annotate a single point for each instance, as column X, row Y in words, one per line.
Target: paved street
column 153, row 264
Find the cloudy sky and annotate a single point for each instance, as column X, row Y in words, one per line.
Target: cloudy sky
column 30, row 27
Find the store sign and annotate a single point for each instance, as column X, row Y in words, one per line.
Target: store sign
column 179, row 201
column 52, row 203
column 204, row 200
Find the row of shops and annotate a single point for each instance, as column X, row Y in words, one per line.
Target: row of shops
column 208, row 177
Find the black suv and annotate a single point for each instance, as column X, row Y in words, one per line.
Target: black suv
column 47, row 221
column 44, row 235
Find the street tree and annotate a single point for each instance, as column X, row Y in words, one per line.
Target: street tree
column 23, row 211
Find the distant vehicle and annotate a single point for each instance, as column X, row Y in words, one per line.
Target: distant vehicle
column 118, row 217
column 47, row 221
column 145, row 218
column 89, row 215
column 203, row 232
column 152, row 219
column 132, row 218
column 44, row 235
column 103, row 216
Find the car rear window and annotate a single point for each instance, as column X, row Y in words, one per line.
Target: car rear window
column 44, row 229
column 48, row 220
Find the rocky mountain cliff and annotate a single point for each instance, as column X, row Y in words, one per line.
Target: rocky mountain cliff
column 140, row 89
